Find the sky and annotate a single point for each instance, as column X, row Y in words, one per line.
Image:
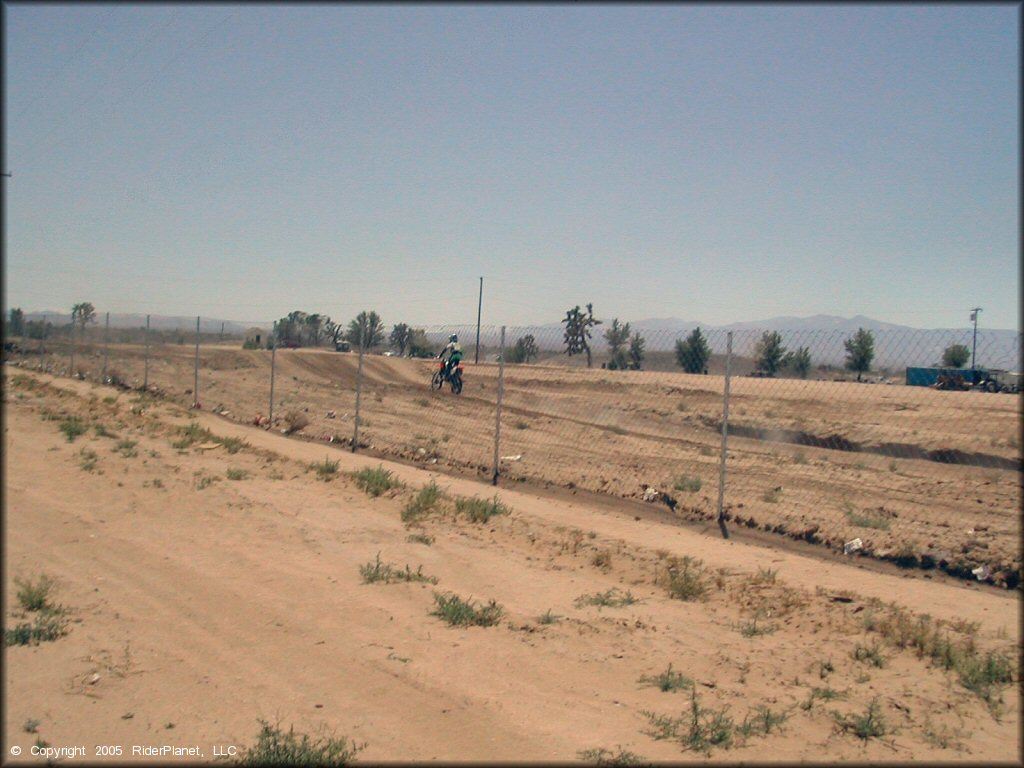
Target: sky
column 718, row 163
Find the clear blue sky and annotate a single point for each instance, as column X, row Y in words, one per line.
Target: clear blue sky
column 714, row 163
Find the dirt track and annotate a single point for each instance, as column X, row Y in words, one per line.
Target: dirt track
column 620, row 433
column 201, row 604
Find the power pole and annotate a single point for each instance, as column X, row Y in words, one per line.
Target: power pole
column 974, row 346
column 479, row 306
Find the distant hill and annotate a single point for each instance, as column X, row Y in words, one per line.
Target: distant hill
column 156, row 322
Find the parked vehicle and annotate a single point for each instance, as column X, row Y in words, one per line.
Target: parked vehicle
column 342, row 346
column 454, row 378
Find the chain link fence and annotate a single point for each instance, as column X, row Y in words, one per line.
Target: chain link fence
column 752, row 430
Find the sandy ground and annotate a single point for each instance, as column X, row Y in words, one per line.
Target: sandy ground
column 865, row 470
column 201, row 604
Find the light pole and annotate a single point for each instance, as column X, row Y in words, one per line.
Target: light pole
column 974, row 346
column 479, row 306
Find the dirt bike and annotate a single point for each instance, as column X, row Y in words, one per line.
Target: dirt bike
column 454, row 378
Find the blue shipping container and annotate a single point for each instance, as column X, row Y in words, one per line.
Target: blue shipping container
column 926, row 377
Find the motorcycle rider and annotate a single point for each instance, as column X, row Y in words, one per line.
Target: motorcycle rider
column 454, row 350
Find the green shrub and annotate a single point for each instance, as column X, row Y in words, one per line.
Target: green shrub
column 72, row 427
column 375, row 481
column 479, row 510
column 459, row 612
column 35, row 595
column 869, row 725
column 325, row 470
column 687, row 484
column 685, row 579
column 612, row 598
column 667, row 681
column 424, row 502
column 378, row 571
column 126, row 448
column 275, row 747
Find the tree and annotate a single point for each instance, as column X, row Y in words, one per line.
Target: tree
column 636, row 351
column 38, row 329
column 419, row 346
column 83, row 313
column 860, row 351
column 525, row 349
column 955, row 356
column 617, row 336
column 800, row 362
column 334, row 331
column 367, row 330
column 288, row 330
column 401, row 334
column 16, row 324
column 769, row 353
column 577, row 331
column 694, row 353
column 315, row 328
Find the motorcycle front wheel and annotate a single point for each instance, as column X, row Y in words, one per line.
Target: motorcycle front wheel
column 437, row 381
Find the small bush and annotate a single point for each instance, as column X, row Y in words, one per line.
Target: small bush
column 72, row 427
column 687, row 484
column 866, row 520
column 613, row 598
column 772, row 495
column 871, row 654
column 295, row 421
column 102, row 431
column 751, row 629
column 424, row 502
column 35, row 595
column 192, row 434
column 685, row 579
column 325, row 470
column 49, row 625
column 602, row 560
column 667, row 681
column 604, row 757
column 232, row 444
column 479, row 510
column 866, row 726
column 420, row 538
column 459, row 613
column 762, row 722
column 88, row 459
column 205, row 481
column 377, row 571
column 126, row 448
column 237, row 474
column 275, row 747
column 548, row 618
column 375, row 481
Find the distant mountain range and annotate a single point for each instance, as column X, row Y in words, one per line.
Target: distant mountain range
column 156, row 322
column 824, row 336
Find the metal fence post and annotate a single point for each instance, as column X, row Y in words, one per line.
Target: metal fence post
column 72, row 372
column 273, row 355
column 106, row 348
column 195, row 388
column 145, row 376
column 497, row 412
column 359, row 385
column 725, row 435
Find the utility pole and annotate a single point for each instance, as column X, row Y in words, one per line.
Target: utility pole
column 479, row 306
column 974, row 346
